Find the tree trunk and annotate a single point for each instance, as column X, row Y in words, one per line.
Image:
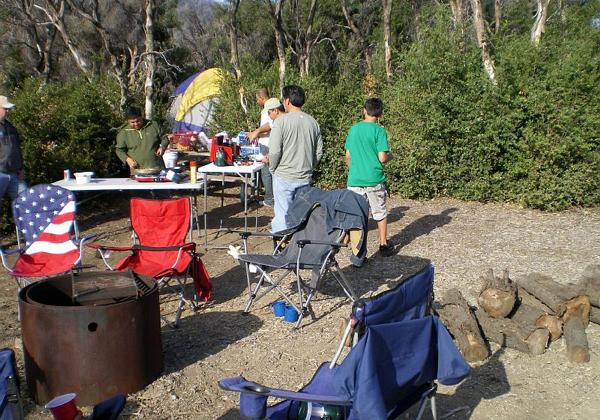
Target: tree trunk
column 458, row 12
column 539, row 26
column 55, row 13
column 479, row 22
column 457, row 316
column 234, row 57
column 498, row 294
column 497, row 15
column 387, row 37
column 276, row 22
column 507, row 332
column 363, row 42
column 150, row 59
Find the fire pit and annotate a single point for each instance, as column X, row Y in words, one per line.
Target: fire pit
column 95, row 334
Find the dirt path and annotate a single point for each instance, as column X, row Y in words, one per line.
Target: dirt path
column 461, row 239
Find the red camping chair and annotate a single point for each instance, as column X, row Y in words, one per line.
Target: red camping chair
column 45, row 218
column 160, row 227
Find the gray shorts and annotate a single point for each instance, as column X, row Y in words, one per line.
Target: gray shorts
column 377, row 197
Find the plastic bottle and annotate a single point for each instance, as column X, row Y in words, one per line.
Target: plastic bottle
column 193, row 172
column 220, row 157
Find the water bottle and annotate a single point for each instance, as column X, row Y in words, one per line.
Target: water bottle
column 312, row 411
column 220, row 157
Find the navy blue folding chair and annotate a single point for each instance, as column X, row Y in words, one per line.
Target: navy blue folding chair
column 389, row 370
column 399, row 351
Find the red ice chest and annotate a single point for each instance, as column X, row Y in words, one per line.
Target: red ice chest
column 227, row 149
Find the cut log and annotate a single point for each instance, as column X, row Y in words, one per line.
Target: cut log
column 591, row 277
column 456, row 314
column 595, row 315
column 577, row 344
column 509, row 333
column 551, row 293
column 498, row 294
column 576, row 317
column 529, row 316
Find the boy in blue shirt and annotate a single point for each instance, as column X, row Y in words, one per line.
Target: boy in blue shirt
column 367, row 149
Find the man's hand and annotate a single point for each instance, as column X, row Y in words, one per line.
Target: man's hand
column 132, row 163
column 159, row 151
column 265, row 159
column 252, row 135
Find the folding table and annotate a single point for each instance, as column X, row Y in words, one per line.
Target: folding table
column 128, row 184
column 242, row 171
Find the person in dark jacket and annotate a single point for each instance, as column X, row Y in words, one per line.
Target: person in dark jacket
column 139, row 143
column 12, row 175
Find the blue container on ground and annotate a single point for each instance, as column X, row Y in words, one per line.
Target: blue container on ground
column 279, row 309
column 290, row 314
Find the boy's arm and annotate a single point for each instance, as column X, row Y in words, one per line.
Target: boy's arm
column 385, row 156
column 347, row 157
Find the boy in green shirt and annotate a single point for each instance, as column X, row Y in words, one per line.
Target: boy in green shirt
column 367, row 149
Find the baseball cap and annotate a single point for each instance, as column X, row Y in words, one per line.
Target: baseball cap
column 4, row 103
column 271, row 103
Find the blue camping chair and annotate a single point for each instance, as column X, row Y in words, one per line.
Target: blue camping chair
column 390, row 369
column 392, row 329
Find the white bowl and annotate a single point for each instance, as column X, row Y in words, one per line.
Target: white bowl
column 83, row 177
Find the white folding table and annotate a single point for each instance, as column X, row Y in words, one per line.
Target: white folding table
column 245, row 172
column 128, row 184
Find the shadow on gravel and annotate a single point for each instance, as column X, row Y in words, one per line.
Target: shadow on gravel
column 203, row 334
column 420, row 227
column 486, row 382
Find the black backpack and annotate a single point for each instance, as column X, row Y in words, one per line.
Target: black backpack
column 11, row 407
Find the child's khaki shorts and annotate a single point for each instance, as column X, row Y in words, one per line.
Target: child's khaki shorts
column 377, row 197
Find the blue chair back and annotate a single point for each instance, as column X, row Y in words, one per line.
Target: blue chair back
column 409, row 300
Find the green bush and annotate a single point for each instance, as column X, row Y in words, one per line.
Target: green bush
column 69, row 125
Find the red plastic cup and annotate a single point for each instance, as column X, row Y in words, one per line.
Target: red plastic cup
column 63, row 407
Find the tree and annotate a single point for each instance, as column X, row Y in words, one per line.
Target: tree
column 387, row 37
column 539, row 26
column 482, row 41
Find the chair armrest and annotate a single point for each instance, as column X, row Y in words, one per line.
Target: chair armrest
column 246, row 234
column 9, row 251
column 302, row 242
column 240, row 384
column 109, row 247
column 190, row 246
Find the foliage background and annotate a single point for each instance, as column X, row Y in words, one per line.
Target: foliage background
column 533, row 139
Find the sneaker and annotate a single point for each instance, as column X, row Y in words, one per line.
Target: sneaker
column 386, row 250
column 267, row 203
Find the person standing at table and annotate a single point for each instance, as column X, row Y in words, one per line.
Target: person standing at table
column 262, row 133
column 139, row 143
column 12, row 174
column 295, row 149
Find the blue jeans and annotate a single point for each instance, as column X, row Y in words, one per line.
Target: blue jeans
column 266, row 177
column 284, row 193
column 11, row 184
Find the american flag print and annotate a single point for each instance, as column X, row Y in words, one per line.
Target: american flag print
column 44, row 215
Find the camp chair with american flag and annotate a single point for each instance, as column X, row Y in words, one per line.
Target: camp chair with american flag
column 44, row 216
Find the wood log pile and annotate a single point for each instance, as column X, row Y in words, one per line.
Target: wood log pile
column 526, row 315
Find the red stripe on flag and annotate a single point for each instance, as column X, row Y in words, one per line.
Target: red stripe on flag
column 43, row 264
column 61, row 218
column 51, row 237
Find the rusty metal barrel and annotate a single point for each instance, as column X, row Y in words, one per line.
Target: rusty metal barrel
column 95, row 334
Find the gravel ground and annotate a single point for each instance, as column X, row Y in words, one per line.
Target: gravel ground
column 462, row 240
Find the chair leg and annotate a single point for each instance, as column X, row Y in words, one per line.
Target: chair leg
column 433, row 407
column 273, row 284
column 343, row 282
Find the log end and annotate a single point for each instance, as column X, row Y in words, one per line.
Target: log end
column 553, row 324
column 578, row 355
column 497, row 303
column 538, row 341
column 476, row 351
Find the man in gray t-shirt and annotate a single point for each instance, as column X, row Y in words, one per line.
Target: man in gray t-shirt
column 295, row 148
